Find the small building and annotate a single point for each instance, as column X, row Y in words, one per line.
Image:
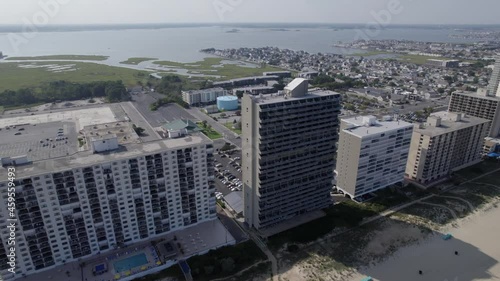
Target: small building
column 227, row 103
column 104, row 143
column 444, row 63
column 179, row 128
column 308, row 74
column 280, row 74
column 203, row 97
column 256, row 90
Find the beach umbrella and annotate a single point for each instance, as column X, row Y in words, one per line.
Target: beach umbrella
column 143, row 268
column 127, row 272
column 117, row 276
column 158, row 262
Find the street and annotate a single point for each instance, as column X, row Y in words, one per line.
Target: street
column 228, row 134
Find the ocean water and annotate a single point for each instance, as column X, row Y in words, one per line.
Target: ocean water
column 183, row 43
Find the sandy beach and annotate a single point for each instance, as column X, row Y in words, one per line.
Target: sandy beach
column 476, row 239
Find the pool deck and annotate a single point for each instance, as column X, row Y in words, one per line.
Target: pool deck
column 194, row 240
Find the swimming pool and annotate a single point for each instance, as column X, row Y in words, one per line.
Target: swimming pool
column 129, row 263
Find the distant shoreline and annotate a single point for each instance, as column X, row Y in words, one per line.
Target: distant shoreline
column 283, row 26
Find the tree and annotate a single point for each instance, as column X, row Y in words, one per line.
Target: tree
column 238, row 113
column 234, row 121
column 204, row 123
column 227, row 264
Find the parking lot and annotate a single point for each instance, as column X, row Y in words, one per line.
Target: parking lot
column 228, row 169
column 164, row 114
column 38, row 142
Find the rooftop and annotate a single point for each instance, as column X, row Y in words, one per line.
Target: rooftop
column 181, row 124
column 448, row 123
column 253, row 88
column 476, row 95
column 280, row 97
column 365, row 126
column 87, row 158
column 122, row 130
column 61, row 133
column 295, row 83
column 210, row 90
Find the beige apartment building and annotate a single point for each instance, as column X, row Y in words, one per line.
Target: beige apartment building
column 445, row 143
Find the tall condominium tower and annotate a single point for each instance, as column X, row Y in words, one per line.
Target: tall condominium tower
column 118, row 191
column 445, row 143
column 288, row 153
column 371, row 154
column 495, row 79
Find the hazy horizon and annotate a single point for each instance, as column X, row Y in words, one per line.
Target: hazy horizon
column 131, row 12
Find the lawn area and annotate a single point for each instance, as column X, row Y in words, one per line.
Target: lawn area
column 230, row 125
column 214, row 66
column 209, row 132
column 135, row 61
column 14, row 77
column 62, row 57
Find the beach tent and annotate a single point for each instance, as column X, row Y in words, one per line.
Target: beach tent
column 447, row 237
column 367, row 279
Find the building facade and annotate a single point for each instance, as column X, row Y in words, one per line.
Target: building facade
column 495, row 79
column 371, row 154
column 84, row 204
column 445, row 143
column 203, row 97
column 477, row 105
column 288, row 153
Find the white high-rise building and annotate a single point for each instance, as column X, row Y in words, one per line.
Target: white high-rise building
column 371, row 154
column 117, row 192
column 202, row 97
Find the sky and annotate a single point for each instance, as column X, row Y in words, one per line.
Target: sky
column 250, row 11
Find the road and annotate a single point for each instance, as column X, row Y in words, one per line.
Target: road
column 229, row 135
column 236, row 231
